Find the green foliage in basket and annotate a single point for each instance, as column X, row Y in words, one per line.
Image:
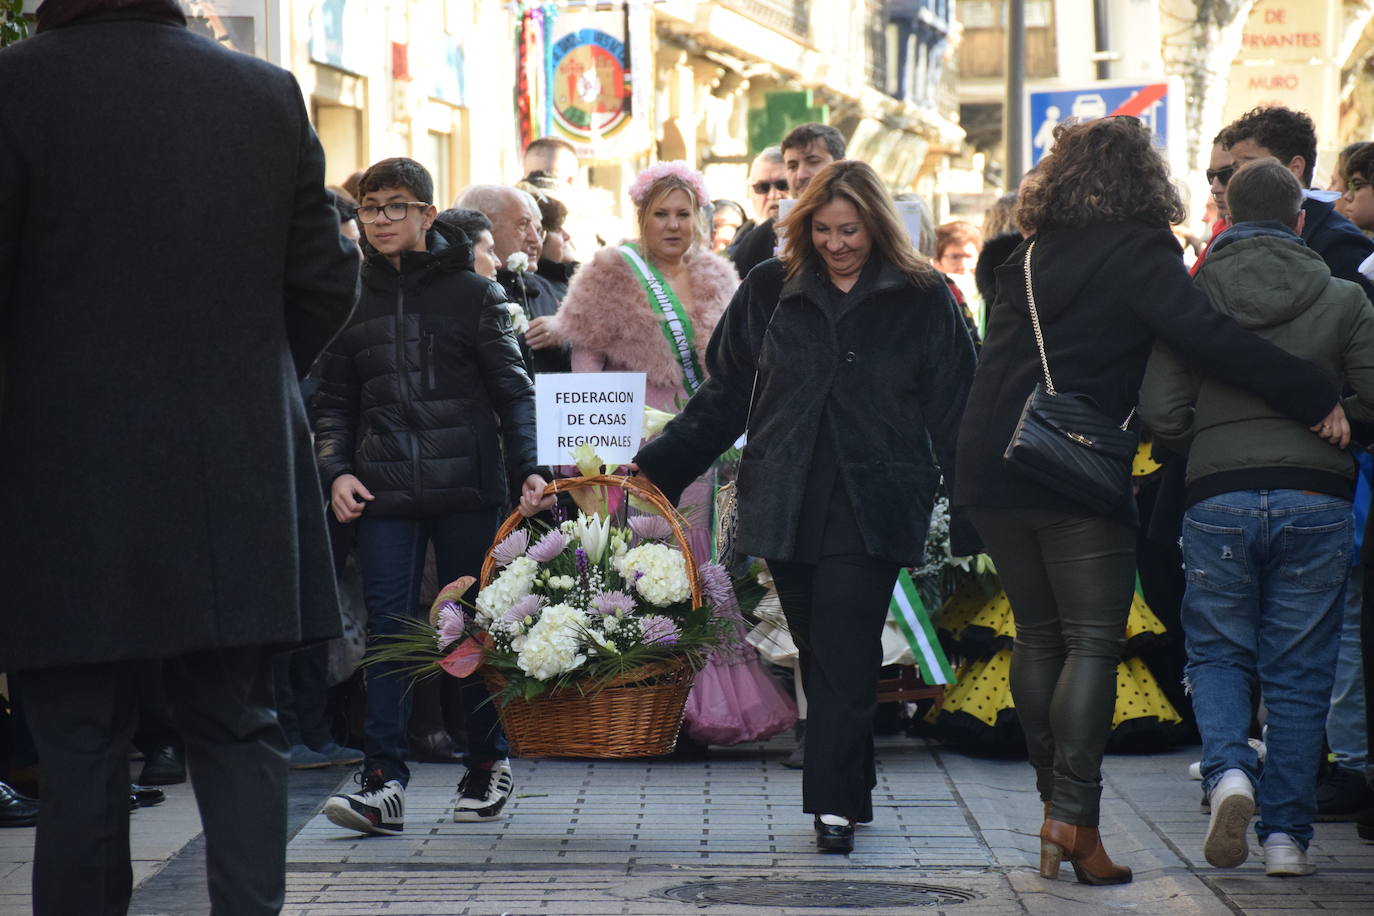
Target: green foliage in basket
column 574, row 606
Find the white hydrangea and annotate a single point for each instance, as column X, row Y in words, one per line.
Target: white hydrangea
column 664, row 580
column 514, row 583
column 552, row 646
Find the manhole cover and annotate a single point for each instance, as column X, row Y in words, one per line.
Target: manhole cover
column 851, row 894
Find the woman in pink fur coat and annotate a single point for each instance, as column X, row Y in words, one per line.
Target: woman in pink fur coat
column 614, row 324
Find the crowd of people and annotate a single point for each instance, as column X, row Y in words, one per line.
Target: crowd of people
column 365, row 350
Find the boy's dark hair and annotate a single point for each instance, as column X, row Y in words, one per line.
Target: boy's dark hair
column 472, row 222
column 399, row 172
column 1264, row 190
column 551, row 144
column 1360, row 165
column 807, row 134
column 1285, row 133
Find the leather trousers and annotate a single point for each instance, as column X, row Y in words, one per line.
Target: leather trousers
column 1070, row 579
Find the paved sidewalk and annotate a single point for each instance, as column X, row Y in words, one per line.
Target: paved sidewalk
column 952, row 834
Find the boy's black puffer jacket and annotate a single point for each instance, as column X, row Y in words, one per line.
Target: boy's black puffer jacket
column 418, row 393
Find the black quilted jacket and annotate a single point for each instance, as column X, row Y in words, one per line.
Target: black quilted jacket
column 421, row 390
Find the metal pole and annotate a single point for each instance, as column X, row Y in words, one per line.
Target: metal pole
column 1014, row 112
column 1101, row 28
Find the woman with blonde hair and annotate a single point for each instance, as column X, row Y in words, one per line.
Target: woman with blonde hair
column 847, row 363
column 650, row 306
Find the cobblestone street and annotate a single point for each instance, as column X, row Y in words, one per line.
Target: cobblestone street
column 952, row 834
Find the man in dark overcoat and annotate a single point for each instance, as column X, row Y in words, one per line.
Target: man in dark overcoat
column 169, row 267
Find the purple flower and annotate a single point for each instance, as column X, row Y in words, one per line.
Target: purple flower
column 581, row 563
column 528, row 606
column 511, row 548
column 451, row 623
column 658, row 631
column 608, row 603
column 651, row 527
column 715, row 583
column 549, row 546
column 559, row 516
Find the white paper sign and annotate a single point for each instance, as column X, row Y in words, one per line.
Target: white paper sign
column 605, row 409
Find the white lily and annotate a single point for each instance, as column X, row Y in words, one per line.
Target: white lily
column 594, row 533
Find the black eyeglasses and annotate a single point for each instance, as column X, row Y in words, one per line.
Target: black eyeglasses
column 1221, row 175
column 762, row 187
column 395, row 211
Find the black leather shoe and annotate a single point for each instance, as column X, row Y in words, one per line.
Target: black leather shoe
column 17, row 810
column 147, row 796
column 164, row 767
column 834, row 837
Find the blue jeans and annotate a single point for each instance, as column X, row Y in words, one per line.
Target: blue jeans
column 1266, row 573
column 391, row 557
column 1345, row 723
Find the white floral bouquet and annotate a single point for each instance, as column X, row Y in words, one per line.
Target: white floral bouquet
column 574, row 605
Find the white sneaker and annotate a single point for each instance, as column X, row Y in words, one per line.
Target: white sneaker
column 378, row 809
column 1283, row 857
column 483, row 792
column 1195, row 770
column 1233, row 804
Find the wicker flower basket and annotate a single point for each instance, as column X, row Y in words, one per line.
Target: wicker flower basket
column 637, row 714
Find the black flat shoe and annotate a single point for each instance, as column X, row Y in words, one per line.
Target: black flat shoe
column 164, row 767
column 147, row 796
column 16, row 810
column 834, row 837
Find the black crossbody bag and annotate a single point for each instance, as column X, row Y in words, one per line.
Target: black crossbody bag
column 1064, row 442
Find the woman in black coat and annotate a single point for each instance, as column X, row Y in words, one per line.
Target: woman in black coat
column 1107, row 278
column 857, row 364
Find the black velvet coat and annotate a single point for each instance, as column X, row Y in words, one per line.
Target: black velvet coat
column 891, row 369
column 169, row 267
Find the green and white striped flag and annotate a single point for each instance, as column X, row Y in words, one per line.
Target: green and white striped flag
column 914, row 622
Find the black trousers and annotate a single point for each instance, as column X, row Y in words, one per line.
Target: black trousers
column 1070, row 579
column 835, row 610
column 82, row 718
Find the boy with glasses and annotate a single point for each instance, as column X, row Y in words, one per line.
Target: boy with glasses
column 424, row 430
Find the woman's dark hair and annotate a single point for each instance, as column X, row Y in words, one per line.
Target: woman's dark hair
column 472, row 222
column 1361, row 165
column 1343, row 160
column 856, row 182
column 1100, row 171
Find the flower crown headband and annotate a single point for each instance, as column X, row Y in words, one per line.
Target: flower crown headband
column 655, row 173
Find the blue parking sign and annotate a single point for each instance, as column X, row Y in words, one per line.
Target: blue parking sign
column 1156, row 104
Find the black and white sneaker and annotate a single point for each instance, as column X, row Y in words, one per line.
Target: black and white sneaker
column 483, row 791
column 378, row 809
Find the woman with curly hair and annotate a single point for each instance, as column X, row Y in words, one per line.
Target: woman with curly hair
column 1107, row 279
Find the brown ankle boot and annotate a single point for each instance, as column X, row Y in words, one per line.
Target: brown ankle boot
column 1082, row 846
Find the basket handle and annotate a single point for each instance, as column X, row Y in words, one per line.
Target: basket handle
column 636, row 485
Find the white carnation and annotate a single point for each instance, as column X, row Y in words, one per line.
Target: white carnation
column 514, row 583
column 552, row 646
column 518, row 321
column 663, row 580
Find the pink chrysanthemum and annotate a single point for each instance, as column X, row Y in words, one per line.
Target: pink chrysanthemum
column 658, row 631
column 608, row 603
column 655, row 173
column 651, row 527
column 548, row 547
column 511, row 548
column 528, row 606
column 451, row 623
column 716, row 585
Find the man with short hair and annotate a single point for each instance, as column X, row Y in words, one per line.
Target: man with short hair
column 161, row 503
column 1267, row 535
column 767, row 185
column 1291, row 138
column 805, row 151
column 553, row 156
column 515, row 227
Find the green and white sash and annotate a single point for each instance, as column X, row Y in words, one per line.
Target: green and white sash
column 677, row 325
column 914, row 622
